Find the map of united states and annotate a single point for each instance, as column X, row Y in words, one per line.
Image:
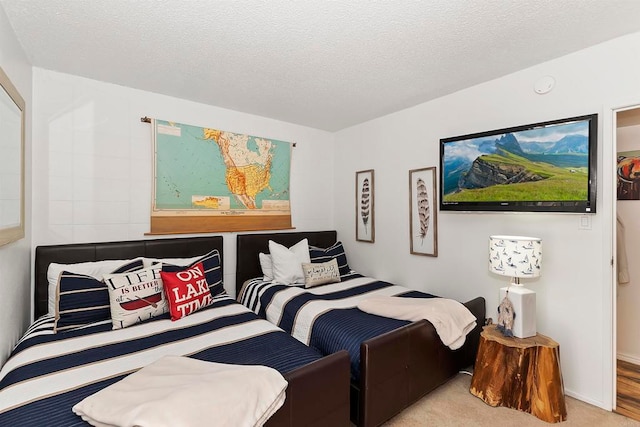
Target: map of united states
column 219, row 171
column 248, row 172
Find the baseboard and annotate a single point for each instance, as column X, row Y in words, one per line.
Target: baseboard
column 600, row 404
column 585, row 399
column 628, row 358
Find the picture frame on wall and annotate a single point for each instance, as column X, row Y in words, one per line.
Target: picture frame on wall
column 628, row 175
column 12, row 163
column 423, row 212
column 365, row 206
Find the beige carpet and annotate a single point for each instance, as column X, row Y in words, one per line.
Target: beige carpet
column 453, row 405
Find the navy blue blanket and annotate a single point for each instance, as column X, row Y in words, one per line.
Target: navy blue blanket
column 325, row 317
column 47, row 373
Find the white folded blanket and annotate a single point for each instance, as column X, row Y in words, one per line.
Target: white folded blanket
column 452, row 320
column 177, row 391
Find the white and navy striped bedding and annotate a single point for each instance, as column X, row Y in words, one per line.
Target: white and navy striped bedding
column 48, row 373
column 325, row 317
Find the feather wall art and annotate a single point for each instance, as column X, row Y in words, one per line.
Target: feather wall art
column 365, row 214
column 423, row 212
column 364, row 202
column 422, row 198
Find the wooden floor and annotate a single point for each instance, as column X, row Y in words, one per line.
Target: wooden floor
column 628, row 390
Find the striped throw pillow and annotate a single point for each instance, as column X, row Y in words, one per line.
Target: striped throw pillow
column 83, row 299
column 335, row 251
column 212, row 270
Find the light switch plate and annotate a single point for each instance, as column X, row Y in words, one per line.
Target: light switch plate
column 585, row 222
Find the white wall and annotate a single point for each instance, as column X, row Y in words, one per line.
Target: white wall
column 574, row 304
column 628, row 295
column 92, row 175
column 15, row 268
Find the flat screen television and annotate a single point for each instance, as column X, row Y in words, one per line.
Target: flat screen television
column 541, row 167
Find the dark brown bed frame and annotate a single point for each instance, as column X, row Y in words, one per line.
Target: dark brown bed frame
column 396, row 368
column 317, row 394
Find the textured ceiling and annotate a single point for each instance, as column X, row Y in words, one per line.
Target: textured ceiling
column 324, row 64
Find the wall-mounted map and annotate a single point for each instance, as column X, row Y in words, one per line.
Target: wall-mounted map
column 238, row 181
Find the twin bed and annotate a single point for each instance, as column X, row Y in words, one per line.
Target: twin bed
column 393, row 363
column 397, row 363
column 47, row 373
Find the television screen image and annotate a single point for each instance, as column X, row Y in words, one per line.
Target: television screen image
column 542, row 167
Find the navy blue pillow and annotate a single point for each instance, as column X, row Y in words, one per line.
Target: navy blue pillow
column 212, row 271
column 334, row 251
column 84, row 299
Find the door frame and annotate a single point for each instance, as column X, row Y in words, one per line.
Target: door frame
column 609, row 139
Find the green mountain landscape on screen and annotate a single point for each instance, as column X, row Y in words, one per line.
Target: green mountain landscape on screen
column 555, row 171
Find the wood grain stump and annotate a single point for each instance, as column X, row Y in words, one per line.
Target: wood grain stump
column 520, row 373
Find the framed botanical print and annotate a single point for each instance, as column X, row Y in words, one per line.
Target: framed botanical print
column 423, row 212
column 365, row 212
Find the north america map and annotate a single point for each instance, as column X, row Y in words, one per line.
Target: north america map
column 216, row 172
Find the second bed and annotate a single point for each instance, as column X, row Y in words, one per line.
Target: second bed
column 394, row 365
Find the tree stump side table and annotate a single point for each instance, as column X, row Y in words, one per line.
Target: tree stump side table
column 520, row 373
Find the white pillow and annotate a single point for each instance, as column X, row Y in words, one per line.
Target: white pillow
column 95, row 269
column 287, row 263
column 266, row 264
column 180, row 262
column 136, row 296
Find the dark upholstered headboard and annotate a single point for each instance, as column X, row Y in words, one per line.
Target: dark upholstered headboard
column 248, row 246
column 85, row 252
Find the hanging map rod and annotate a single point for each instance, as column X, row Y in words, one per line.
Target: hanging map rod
column 146, row 119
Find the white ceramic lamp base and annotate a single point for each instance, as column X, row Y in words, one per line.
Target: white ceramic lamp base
column 524, row 307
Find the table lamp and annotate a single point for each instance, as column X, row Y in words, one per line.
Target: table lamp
column 517, row 257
